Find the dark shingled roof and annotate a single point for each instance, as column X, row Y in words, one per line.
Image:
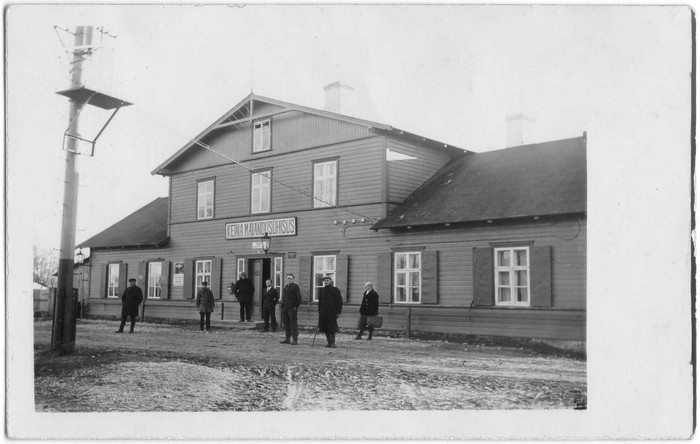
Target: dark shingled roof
column 146, row 227
column 529, row 180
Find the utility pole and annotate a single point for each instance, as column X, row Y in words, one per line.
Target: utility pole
column 64, row 319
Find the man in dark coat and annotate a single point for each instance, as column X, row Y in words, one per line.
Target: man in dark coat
column 244, row 290
column 131, row 298
column 291, row 299
column 205, row 305
column 270, row 298
column 330, row 305
column 368, row 307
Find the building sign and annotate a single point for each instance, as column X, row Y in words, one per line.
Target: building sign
column 258, row 228
column 179, row 276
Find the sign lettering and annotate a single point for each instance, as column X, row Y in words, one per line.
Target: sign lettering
column 258, row 228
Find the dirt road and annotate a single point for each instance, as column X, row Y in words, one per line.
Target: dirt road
column 177, row 368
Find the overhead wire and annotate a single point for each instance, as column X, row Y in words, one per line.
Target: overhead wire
column 254, row 169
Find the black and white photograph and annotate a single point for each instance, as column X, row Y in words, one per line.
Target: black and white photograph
column 349, row 221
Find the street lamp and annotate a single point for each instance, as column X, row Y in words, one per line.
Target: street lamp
column 265, row 243
column 80, row 256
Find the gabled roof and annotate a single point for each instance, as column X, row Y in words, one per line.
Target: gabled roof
column 524, row 181
column 242, row 108
column 146, row 227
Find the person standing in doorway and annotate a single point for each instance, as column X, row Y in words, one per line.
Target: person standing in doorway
column 131, row 299
column 330, row 305
column 291, row 299
column 270, row 298
column 368, row 307
column 244, row 290
column 205, row 305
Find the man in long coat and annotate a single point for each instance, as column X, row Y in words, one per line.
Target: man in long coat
column 205, row 305
column 270, row 298
column 244, row 290
column 131, row 298
column 368, row 307
column 330, row 305
column 291, row 299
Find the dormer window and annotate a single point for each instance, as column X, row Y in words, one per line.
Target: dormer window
column 261, row 136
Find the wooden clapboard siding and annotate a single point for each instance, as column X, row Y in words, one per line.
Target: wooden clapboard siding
column 525, row 323
column 291, row 131
column 405, row 176
column 132, row 258
column 316, row 232
column 360, row 181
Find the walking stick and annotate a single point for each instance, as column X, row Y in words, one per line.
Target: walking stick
column 312, row 342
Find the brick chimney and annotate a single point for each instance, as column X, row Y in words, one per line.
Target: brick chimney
column 340, row 98
column 518, row 127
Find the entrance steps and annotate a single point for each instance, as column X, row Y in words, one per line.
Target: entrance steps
column 237, row 324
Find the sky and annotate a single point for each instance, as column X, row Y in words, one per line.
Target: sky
column 451, row 73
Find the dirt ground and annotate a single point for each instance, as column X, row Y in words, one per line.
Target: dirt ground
column 176, row 368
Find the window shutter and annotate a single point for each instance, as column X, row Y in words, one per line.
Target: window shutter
column 103, row 280
column 384, row 273
column 165, row 280
column 341, row 275
column 122, row 279
column 305, row 284
column 482, row 267
column 541, row 276
column 215, row 284
column 188, row 269
column 429, row 277
column 142, row 279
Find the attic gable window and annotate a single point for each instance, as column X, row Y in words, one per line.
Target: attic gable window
column 261, row 136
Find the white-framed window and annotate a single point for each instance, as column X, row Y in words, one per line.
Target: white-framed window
column 407, row 277
column 512, row 274
column 113, row 280
column 323, row 265
column 240, row 267
column 277, row 272
column 260, row 192
column 202, row 272
column 155, row 273
column 325, row 183
column 205, row 199
column 261, row 135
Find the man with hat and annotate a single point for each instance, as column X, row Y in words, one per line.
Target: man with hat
column 205, row 305
column 330, row 305
column 131, row 299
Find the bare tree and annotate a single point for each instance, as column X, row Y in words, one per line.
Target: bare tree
column 45, row 266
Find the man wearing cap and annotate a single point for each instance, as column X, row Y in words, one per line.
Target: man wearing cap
column 205, row 305
column 330, row 305
column 131, row 298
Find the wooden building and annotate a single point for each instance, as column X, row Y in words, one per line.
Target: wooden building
column 489, row 243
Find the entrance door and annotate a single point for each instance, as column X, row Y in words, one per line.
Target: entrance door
column 259, row 273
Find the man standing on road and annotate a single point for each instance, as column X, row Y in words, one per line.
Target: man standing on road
column 131, row 298
column 270, row 298
column 368, row 307
column 330, row 305
column 244, row 290
column 205, row 305
column 291, row 299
